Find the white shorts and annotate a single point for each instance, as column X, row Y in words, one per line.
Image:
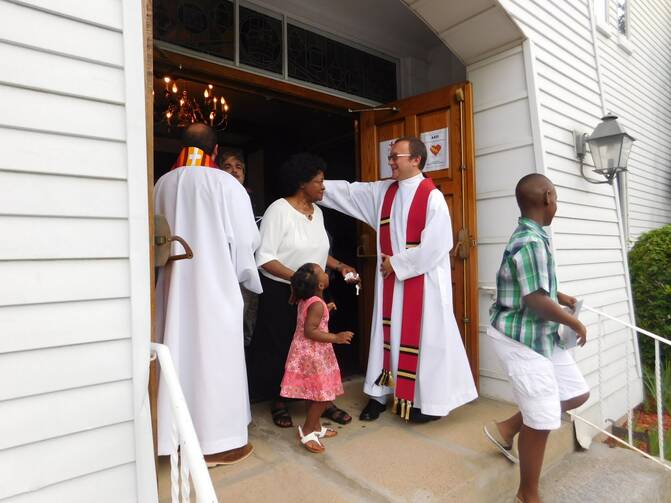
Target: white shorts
column 539, row 383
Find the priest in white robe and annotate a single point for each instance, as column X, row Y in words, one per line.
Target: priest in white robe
column 198, row 301
column 442, row 379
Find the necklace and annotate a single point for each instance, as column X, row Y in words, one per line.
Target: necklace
column 307, row 209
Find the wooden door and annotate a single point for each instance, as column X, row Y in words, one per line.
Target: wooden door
column 443, row 119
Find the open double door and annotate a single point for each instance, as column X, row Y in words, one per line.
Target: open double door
column 443, row 119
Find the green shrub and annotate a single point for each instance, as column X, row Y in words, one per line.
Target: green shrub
column 650, row 269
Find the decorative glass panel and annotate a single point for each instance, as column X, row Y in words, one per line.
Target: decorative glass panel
column 260, row 40
column 202, row 25
column 320, row 60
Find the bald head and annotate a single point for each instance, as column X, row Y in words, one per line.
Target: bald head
column 201, row 136
column 532, row 192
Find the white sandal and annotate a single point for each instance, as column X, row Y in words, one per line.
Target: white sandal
column 324, row 433
column 311, row 437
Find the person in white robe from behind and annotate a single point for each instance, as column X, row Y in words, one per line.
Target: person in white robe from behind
column 442, row 379
column 198, row 301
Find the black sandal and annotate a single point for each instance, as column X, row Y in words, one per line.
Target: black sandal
column 337, row 415
column 281, row 416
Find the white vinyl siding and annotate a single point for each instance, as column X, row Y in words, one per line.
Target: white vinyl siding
column 637, row 88
column 67, row 366
column 586, row 232
column 504, row 152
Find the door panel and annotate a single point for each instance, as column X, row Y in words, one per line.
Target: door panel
column 451, row 108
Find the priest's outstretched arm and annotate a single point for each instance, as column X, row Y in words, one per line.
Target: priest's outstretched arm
column 359, row 200
column 435, row 245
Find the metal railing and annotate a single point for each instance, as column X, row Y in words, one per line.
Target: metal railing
column 186, row 459
column 658, row 385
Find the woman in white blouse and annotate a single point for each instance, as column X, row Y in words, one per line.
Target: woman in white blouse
column 292, row 234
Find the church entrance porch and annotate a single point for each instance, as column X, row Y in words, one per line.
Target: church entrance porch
column 381, row 461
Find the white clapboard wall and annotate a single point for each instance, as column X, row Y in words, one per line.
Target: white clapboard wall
column 74, row 324
column 586, row 234
column 504, row 153
column 637, row 87
column 535, row 81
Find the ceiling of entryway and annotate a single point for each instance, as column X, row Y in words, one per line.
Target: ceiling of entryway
column 471, row 29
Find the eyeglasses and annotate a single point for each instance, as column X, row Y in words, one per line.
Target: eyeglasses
column 394, row 157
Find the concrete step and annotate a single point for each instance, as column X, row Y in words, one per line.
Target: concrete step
column 605, row 474
column 387, row 460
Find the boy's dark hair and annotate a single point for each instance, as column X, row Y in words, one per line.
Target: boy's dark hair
column 416, row 148
column 300, row 169
column 303, row 283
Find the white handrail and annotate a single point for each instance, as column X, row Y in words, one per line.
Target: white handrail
column 633, row 327
column 189, row 445
column 658, row 386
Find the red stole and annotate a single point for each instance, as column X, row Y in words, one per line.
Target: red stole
column 193, row 156
column 413, row 300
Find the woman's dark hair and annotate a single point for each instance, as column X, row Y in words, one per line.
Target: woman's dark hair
column 300, row 169
column 304, row 283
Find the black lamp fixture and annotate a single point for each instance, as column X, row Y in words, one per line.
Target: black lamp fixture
column 610, row 146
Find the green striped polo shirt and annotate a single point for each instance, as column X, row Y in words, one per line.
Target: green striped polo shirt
column 527, row 266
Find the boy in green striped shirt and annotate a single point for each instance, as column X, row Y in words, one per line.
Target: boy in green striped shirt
column 524, row 333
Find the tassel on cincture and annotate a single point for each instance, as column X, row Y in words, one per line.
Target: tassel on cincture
column 394, row 407
column 382, row 379
column 402, row 408
column 407, row 410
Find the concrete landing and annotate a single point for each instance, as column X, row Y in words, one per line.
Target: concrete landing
column 605, row 474
column 388, row 460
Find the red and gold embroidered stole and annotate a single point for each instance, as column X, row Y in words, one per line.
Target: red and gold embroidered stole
column 413, row 300
column 193, row 156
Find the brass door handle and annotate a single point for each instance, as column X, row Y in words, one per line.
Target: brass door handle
column 461, row 249
column 162, row 239
column 188, row 253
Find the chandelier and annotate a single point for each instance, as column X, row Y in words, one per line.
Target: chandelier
column 183, row 108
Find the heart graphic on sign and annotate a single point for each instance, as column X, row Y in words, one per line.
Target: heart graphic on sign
column 435, row 149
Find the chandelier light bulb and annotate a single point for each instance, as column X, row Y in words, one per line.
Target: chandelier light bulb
column 206, row 93
column 181, row 102
column 209, row 86
column 174, row 87
column 225, row 107
column 215, row 100
column 166, row 79
column 168, row 114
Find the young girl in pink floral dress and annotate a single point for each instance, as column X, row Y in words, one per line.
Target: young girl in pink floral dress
column 311, row 372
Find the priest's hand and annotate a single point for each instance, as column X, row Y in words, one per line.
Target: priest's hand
column 385, row 267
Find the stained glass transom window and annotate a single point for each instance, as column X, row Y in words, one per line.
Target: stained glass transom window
column 260, row 40
column 206, row 26
column 320, row 60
